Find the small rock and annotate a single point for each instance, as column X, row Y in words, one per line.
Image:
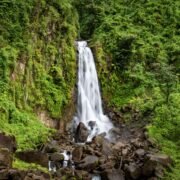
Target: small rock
column 77, row 153
column 5, row 158
column 99, row 140
column 136, row 142
column 140, row 152
column 161, row 158
column 81, row 174
column 57, row 157
column 118, row 146
column 114, row 131
column 8, row 142
column 159, row 171
column 89, row 163
column 133, row 170
column 124, row 152
column 107, row 165
column 106, row 148
column 113, row 174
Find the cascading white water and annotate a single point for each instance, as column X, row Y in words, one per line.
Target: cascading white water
column 89, row 99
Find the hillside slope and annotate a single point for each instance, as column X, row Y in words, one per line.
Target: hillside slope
column 37, row 65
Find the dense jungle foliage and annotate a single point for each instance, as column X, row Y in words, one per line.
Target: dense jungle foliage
column 137, row 48
column 37, row 65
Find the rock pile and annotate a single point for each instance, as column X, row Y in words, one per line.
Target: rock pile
column 7, row 172
column 130, row 155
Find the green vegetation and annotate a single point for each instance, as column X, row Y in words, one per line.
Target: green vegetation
column 28, row 166
column 37, row 65
column 137, row 48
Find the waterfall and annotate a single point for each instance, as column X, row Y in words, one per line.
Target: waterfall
column 89, row 105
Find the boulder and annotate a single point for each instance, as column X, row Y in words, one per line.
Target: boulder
column 115, row 131
column 77, row 153
column 80, row 174
column 51, row 147
column 8, row 142
column 36, row 175
column 5, row 158
column 81, row 133
column 16, row 174
column 98, row 140
column 136, row 142
column 33, row 157
column 106, row 148
column 113, row 174
column 149, row 168
column 133, row 171
column 162, row 159
column 89, row 163
column 107, row 165
column 4, row 174
column 57, row 157
column 64, row 173
column 118, row 146
column 154, row 162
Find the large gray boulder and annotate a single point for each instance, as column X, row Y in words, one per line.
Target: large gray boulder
column 81, row 133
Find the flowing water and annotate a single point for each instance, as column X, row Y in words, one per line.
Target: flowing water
column 89, row 107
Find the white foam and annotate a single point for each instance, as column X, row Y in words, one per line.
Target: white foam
column 89, row 98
